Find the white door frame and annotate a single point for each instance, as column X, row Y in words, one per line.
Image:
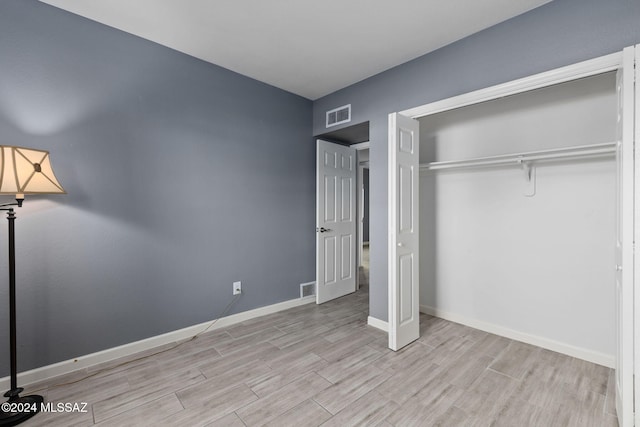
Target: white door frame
column 360, row 147
column 577, row 71
column 360, row 196
column 625, row 264
column 636, row 279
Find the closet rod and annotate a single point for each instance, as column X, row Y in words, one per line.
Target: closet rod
column 593, row 150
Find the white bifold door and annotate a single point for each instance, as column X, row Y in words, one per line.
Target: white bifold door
column 404, row 175
column 335, row 221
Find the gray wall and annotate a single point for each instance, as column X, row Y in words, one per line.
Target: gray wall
column 182, row 177
column 560, row 33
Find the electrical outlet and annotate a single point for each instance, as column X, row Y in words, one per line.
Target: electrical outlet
column 237, row 288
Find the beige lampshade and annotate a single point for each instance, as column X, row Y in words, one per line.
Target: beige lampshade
column 27, row 171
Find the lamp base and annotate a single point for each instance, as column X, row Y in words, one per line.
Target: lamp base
column 20, row 409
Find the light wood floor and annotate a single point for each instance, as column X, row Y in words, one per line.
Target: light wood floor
column 322, row 365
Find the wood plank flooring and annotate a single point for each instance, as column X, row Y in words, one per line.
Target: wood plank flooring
column 322, row 365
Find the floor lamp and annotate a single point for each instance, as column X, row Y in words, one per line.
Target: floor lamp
column 22, row 171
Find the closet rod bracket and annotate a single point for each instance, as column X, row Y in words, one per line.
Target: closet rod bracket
column 529, row 170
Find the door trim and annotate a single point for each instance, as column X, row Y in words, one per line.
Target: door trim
column 361, row 145
column 577, row 71
column 636, row 279
column 625, row 389
column 360, row 202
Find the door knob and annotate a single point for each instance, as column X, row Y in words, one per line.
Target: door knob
column 618, row 268
column 322, row 229
column 400, row 245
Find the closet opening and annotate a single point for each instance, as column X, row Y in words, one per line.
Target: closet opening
column 518, row 217
column 520, row 224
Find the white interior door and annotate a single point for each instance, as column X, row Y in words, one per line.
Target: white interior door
column 404, row 171
column 335, row 221
column 624, row 242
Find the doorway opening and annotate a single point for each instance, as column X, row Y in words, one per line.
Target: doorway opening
column 342, row 213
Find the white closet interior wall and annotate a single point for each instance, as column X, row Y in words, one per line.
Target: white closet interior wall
column 540, row 266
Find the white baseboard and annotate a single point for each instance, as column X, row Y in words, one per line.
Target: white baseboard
column 82, row 362
column 377, row 323
column 577, row 352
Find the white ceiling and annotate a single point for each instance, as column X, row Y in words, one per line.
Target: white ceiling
column 307, row 47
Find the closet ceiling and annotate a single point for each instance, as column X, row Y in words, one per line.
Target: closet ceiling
column 308, row 47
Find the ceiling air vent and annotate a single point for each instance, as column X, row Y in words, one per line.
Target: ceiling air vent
column 339, row 115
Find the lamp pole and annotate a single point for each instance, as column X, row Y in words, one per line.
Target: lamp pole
column 17, row 409
column 15, row 391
